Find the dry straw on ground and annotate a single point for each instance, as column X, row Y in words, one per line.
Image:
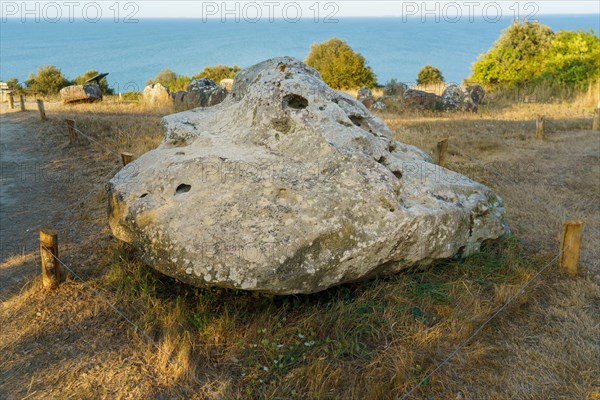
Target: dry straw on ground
column 374, row 339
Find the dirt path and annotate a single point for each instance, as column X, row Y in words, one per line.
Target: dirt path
column 27, row 179
column 46, row 182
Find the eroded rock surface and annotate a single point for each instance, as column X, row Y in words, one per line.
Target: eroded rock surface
column 288, row 186
column 394, row 88
column 477, row 93
column 365, row 96
column 81, row 93
column 156, row 94
column 420, row 100
column 456, row 98
column 204, row 92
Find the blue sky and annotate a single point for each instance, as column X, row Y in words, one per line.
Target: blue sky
column 355, row 8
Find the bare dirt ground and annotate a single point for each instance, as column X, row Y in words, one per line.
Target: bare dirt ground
column 41, row 177
column 70, row 344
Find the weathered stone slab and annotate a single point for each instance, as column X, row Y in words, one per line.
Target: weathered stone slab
column 81, row 93
column 288, row 186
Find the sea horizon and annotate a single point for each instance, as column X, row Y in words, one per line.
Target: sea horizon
column 394, row 47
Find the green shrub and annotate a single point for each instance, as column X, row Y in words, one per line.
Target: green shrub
column 218, row 72
column 429, row 75
column 339, row 65
column 81, row 79
column 531, row 53
column 573, row 58
column 132, row 96
column 516, row 57
column 170, row 79
column 49, row 80
column 13, row 84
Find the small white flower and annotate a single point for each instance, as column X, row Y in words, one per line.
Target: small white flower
column 266, row 369
column 301, row 336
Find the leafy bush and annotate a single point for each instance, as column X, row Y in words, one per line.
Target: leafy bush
column 13, row 84
column 528, row 52
column 49, row 80
column 170, row 79
column 573, row 58
column 218, row 72
column 132, row 96
column 339, row 65
column 81, row 79
column 429, row 75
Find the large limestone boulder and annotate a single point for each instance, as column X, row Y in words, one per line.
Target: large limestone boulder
column 227, row 83
column 395, row 89
column 477, row 93
column 204, row 92
column 156, row 94
column 456, row 98
column 365, row 96
column 179, row 97
column 81, row 93
column 419, row 100
column 289, row 186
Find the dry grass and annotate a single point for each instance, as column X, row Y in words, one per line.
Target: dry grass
column 370, row 340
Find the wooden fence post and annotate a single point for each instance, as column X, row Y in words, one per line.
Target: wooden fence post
column 441, row 149
column 71, row 130
column 126, row 157
column 22, row 100
column 40, row 104
column 596, row 120
column 539, row 127
column 52, row 272
column 11, row 101
column 570, row 246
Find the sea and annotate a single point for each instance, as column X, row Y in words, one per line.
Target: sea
column 395, row 48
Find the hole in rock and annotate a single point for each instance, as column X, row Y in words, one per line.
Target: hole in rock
column 357, row 120
column 144, row 195
column 183, row 188
column 180, row 153
column 282, row 193
column 342, row 122
column 360, row 122
column 295, row 101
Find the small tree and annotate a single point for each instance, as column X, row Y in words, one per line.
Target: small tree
column 429, row 75
column 170, row 79
column 13, row 84
column 572, row 58
column 218, row 72
column 49, row 80
column 81, row 79
column 516, row 57
column 339, row 65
